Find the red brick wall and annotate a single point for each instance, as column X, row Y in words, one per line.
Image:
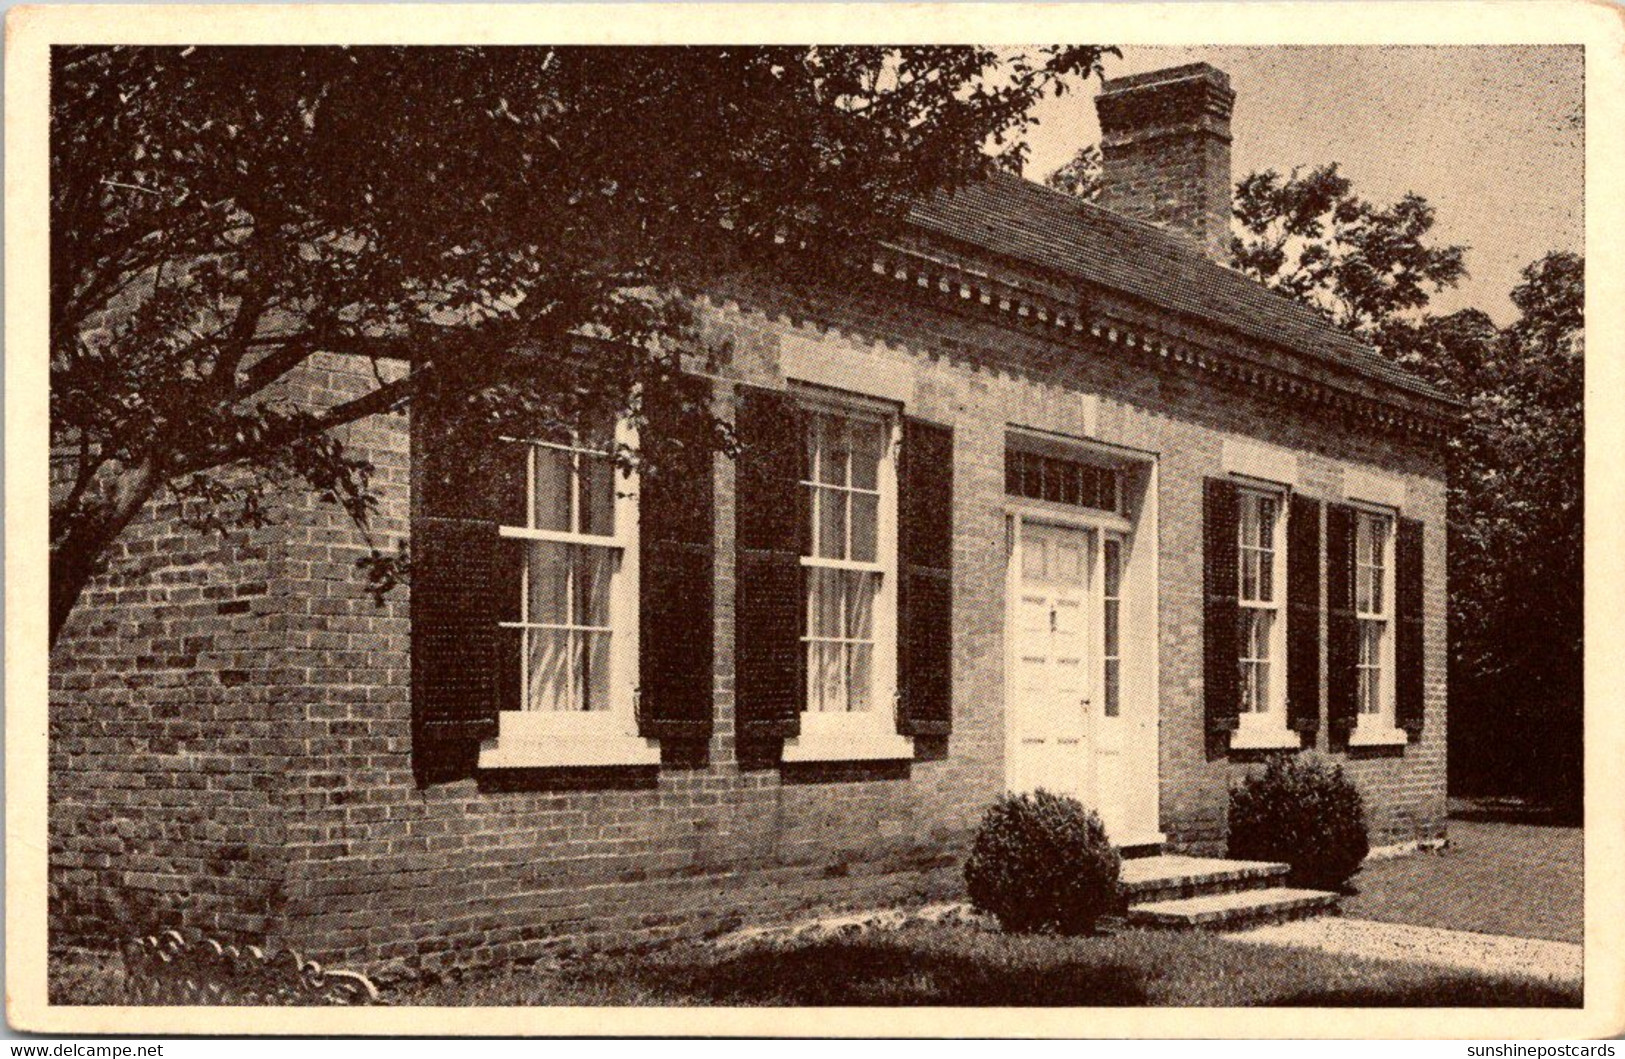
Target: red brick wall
column 305, row 763
column 166, row 744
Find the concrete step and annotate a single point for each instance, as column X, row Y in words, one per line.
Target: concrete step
column 1174, row 875
column 1224, row 911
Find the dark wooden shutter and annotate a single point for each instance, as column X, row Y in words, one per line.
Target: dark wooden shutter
column 1220, row 613
column 925, row 587
column 1408, row 645
column 466, row 579
column 1303, row 614
column 770, row 523
column 676, row 515
column 1342, row 627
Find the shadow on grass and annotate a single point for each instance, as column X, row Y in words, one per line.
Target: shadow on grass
column 1445, row 992
column 879, row 972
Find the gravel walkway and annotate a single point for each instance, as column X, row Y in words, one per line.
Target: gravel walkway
column 1458, row 949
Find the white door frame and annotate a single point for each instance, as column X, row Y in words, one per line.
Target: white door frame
column 1143, row 748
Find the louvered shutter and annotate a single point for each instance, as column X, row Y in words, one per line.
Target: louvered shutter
column 466, row 579
column 1342, row 627
column 1303, row 614
column 1408, row 645
column 675, row 567
column 1220, row 613
column 770, row 521
column 925, row 568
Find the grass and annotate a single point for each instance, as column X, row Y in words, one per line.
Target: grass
column 1494, row 878
column 962, row 966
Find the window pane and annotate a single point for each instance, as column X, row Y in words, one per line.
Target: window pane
column 593, row 569
column 1054, row 480
column 594, row 678
column 1371, row 643
column 1261, row 688
column 1362, row 588
column 859, row 604
column 551, row 485
column 597, row 495
column 1249, row 574
column 835, row 452
column 1249, row 518
column 1032, row 478
column 865, row 526
column 1266, row 522
column 551, row 670
column 1249, row 688
column 823, row 602
column 1266, row 576
column 548, row 574
column 832, row 524
column 826, row 667
column 867, row 448
column 1377, row 603
column 859, row 679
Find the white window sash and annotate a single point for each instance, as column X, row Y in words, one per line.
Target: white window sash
column 870, row 733
column 530, row 738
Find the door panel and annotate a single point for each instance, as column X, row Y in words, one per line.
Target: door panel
column 1053, row 680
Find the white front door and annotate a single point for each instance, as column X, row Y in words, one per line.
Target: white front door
column 1080, row 722
column 1053, row 682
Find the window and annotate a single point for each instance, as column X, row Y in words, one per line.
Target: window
column 1111, row 619
column 848, row 567
column 578, row 613
column 1261, row 559
column 1061, row 481
column 570, row 573
column 1373, row 606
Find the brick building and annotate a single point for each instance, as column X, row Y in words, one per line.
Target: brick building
column 1042, row 495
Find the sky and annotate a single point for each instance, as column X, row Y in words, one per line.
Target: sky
column 1493, row 137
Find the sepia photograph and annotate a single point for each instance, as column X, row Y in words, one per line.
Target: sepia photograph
column 855, row 525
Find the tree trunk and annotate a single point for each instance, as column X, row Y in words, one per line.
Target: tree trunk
column 79, row 556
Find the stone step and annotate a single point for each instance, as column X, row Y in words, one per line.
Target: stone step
column 1174, row 875
column 1226, row 910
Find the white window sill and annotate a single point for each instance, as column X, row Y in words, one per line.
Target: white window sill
column 566, row 740
column 1378, row 736
column 851, row 744
column 1264, row 737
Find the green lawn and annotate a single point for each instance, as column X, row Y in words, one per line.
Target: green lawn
column 957, row 965
column 1494, row 878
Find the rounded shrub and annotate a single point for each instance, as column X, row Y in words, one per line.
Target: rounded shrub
column 1303, row 812
column 1042, row 862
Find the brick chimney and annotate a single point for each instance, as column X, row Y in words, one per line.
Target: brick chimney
column 1165, row 141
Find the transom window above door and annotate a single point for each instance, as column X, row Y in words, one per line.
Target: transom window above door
column 1058, row 480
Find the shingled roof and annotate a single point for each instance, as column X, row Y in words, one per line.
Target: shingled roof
column 1034, row 224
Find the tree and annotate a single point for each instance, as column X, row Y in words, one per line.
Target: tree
column 1367, row 268
column 516, row 223
column 1309, row 236
column 1517, row 544
column 1081, row 176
